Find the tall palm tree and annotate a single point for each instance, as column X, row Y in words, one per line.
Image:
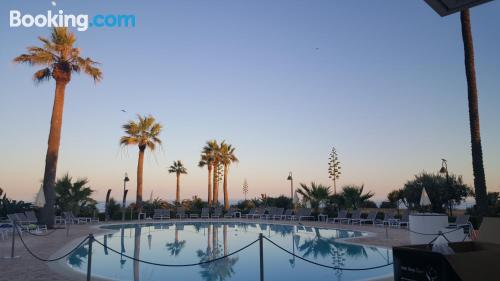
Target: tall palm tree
column 177, row 168
column 207, row 159
column 477, row 150
column 211, row 159
column 145, row 134
column 227, row 157
column 59, row 59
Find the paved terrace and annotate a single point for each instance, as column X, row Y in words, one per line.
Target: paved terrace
column 27, row 268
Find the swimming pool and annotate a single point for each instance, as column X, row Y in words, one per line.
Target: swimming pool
column 193, row 242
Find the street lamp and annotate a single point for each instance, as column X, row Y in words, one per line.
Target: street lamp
column 444, row 170
column 290, row 178
column 125, row 191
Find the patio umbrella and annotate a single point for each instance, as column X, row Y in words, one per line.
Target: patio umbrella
column 424, row 198
column 40, row 198
column 295, row 198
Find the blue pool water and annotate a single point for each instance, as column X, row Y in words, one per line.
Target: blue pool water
column 193, row 242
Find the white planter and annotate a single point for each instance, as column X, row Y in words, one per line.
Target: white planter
column 427, row 223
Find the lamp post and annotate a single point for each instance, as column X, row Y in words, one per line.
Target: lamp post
column 125, row 180
column 444, row 170
column 290, row 178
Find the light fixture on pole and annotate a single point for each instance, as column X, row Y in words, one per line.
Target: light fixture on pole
column 444, row 170
column 125, row 191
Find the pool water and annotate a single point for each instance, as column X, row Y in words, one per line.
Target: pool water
column 193, row 242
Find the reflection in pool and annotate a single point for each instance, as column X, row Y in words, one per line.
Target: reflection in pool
column 192, row 242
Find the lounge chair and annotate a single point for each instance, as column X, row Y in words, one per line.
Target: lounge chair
column 388, row 220
column 70, row 218
column 287, row 214
column 341, row 216
column 231, row 213
column 250, row 214
column 205, row 213
column 217, row 212
column 355, row 217
column 21, row 226
column 461, row 221
column 370, row 218
column 302, row 213
column 267, row 213
column 278, row 213
column 181, row 213
column 30, row 215
column 160, row 214
column 405, row 220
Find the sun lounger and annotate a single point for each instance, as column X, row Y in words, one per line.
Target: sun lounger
column 404, row 221
column 355, row 217
column 30, row 215
column 250, row 214
column 278, row 213
column 268, row 212
column 181, row 213
column 388, row 220
column 461, row 221
column 205, row 213
column 370, row 218
column 70, row 218
column 231, row 213
column 341, row 216
column 288, row 213
column 217, row 212
column 161, row 214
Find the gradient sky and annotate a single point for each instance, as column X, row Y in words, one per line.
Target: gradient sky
column 282, row 80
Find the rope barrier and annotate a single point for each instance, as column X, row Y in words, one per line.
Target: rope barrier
column 324, row 265
column 175, row 265
column 42, row 235
column 436, row 234
column 49, row 260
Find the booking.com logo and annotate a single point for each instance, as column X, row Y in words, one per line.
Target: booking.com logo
column 81, row 22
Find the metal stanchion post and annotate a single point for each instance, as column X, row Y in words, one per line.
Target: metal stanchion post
column 386, row 232
column 14, row 233
column 89, row 258
column 67, row 227
column 261, row 250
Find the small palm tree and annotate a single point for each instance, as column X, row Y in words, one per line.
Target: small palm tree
column 354, row 197
column 227, row 157
column 314, row 194
column 73, row 196
column 59, row 59
column 177, row 168
column 145, row 134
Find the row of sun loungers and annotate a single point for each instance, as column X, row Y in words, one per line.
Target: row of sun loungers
column 388, row 220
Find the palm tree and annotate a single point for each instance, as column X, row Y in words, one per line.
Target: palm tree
column 207, row 159
column 59, row 59
column 73, row 196
column 227, row 157
column 354, row 197
column 177, row 168
column 314, row 194
column 477, row 150
column 145, row 134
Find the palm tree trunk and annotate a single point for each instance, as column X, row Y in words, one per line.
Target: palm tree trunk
column 178, row 193
column 477, row 151
column 226, row 194
column 140, row 167
column 216, row 186
column 49, row 177
column 224, row 233
column 137, row 254
column 209, row 185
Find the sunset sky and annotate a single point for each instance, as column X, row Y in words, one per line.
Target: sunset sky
column 283, row 81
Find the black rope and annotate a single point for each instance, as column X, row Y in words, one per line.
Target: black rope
column 324, row 265
column 175, row 265
column 50, row 260
column 41, row 235
column 436, row 234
